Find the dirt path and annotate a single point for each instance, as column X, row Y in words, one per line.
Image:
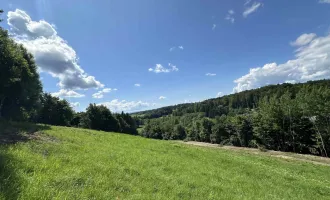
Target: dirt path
column 284, row 155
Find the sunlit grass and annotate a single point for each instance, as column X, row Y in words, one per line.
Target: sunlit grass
column 69, row 163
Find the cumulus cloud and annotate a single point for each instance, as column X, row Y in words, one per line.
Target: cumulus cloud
column 75, row 104
column 181, row 47
column 162, row 97
column 126, row 106
column 304, row 39
column 67, row 93
column 312, row 62
column 219, row 94
column 324, row 1
column 210, row 74
column 52, row 53
column 251, row 9
column 214, row 26
column 137, row 85
column 100, row 94
column 22, row 24
column 106, row 90
column 230, row 16
column 160, row 69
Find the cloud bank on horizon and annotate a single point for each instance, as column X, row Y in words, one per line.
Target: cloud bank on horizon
column 312, row 62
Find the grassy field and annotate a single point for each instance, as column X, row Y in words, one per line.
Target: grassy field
column 70, row 163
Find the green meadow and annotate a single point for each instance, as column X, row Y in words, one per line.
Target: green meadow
column 49, row 162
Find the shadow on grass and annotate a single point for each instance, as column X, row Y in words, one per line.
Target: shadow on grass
column 11, row 133
column 9, row 181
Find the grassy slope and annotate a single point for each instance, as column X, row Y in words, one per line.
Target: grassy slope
column 69, row 163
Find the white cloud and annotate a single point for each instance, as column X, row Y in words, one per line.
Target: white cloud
column 160, row 69
column 100, row 94
column 219, row 94
column 253, row 8
column 304, row 39
column 247, row 2
column 291, row 81
column 173, row 67
column 75, row 104
column 51, row 52
column 126, row 106
column 106, row 90
column 137, row 85
column 230, row 16
column 312, row 62
column 179, row 47
column 186, row 101
column 324, row 1
column 162, row 97
column 210, row 74
column 214, row 26
column 67, row 93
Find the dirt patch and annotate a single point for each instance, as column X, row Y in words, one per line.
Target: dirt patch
column 43, row 137
column 23, row 137
column 12, row 138
column 13, row 132
column 283, row 155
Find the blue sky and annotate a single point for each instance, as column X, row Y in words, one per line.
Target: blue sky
column 107, row 52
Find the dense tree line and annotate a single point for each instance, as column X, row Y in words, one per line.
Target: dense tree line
column 230, row 104
column 100, row 118
column 22, row 99
column 294, row 118
column 20, row 87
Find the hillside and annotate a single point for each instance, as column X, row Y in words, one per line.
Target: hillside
column 287, row 117
column 235, row 103
column 68, row 163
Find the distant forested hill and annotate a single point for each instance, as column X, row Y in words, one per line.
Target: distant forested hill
column 233, row 103
column 284, row 117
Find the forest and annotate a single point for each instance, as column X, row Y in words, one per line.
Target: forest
column 284, row 117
